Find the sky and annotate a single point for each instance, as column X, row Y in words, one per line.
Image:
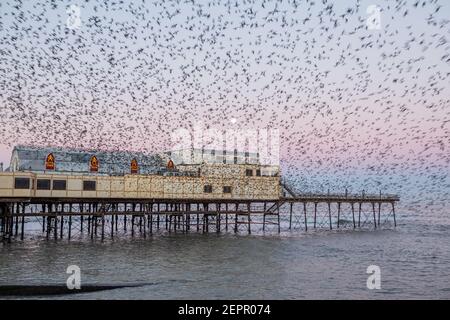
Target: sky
column 356, row 103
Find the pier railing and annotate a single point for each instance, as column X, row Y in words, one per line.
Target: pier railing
column 345, row 197
column 289, row 192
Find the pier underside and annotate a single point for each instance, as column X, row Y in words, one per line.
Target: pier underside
column 71, row 218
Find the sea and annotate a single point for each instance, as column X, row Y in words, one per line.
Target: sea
column 413, row 260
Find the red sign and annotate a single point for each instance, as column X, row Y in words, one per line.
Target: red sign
column 50, row 162
column 170, row 164
column 94, row 164
column 134, row 166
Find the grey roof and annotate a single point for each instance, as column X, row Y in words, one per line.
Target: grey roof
column 76, row 160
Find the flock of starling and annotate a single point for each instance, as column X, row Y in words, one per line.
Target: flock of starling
column 360, row 96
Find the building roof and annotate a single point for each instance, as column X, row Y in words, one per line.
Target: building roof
column 68, row 160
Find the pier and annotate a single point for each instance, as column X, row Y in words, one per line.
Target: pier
column 66, row 218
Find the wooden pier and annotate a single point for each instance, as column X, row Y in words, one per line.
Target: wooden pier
column 101, row 218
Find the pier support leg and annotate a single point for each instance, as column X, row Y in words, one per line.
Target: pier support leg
column 55, row 227
column 249, row 220
column 198, row 220
column 157, row 217
column 112, row 226
column 379, row 213
column 315, row 214
column 22, row 231
column 338, row 214
column 17, row 220
column 81, row 209
column 359, row 215
column 264, row 221
column 353, row 215
column 278, row 217
column 61, row 227
column 226, row 217
column 103, row 227
column 151, row 222
column 393, row 212
column 329, row 215
column 374, row 216
column 43, row 218
column 304, row 214
column 290, row 216
column 70, row 227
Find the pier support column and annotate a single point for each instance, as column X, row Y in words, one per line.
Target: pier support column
column 249, row 219
column 70, row 227
column 353, row 215
column 393, row 212
column 379, row 213
column 290, row 215
column 236, row 218
column 217, row 218
column 278, row 217
column 198, row 217
column 315, row 214
column 43, row 218
column 304, row 213
column 359, row 215
column 61, row 232
column 374, row 216
column 81, row 209
column 103, row 226
column 22, row 229
column 338, row 214
column 16, row 232
column 329, row 215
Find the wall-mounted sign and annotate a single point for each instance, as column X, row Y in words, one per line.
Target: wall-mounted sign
column 170, row 164
column 50, row 162
column 134, row 166
column 94, row 164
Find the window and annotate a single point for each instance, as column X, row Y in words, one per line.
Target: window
column 43, row 184
column 258, row 172
column 59, row 184
column 89, row 185
column 22, row 183
column 207, row 188
column 249, row 172
column 226, row 189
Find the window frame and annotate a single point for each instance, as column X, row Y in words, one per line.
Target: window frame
column 42, row 180
column 207, row 188
column 86, row 182
column 225, row 188
column 28, row 183
column 59, row 181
